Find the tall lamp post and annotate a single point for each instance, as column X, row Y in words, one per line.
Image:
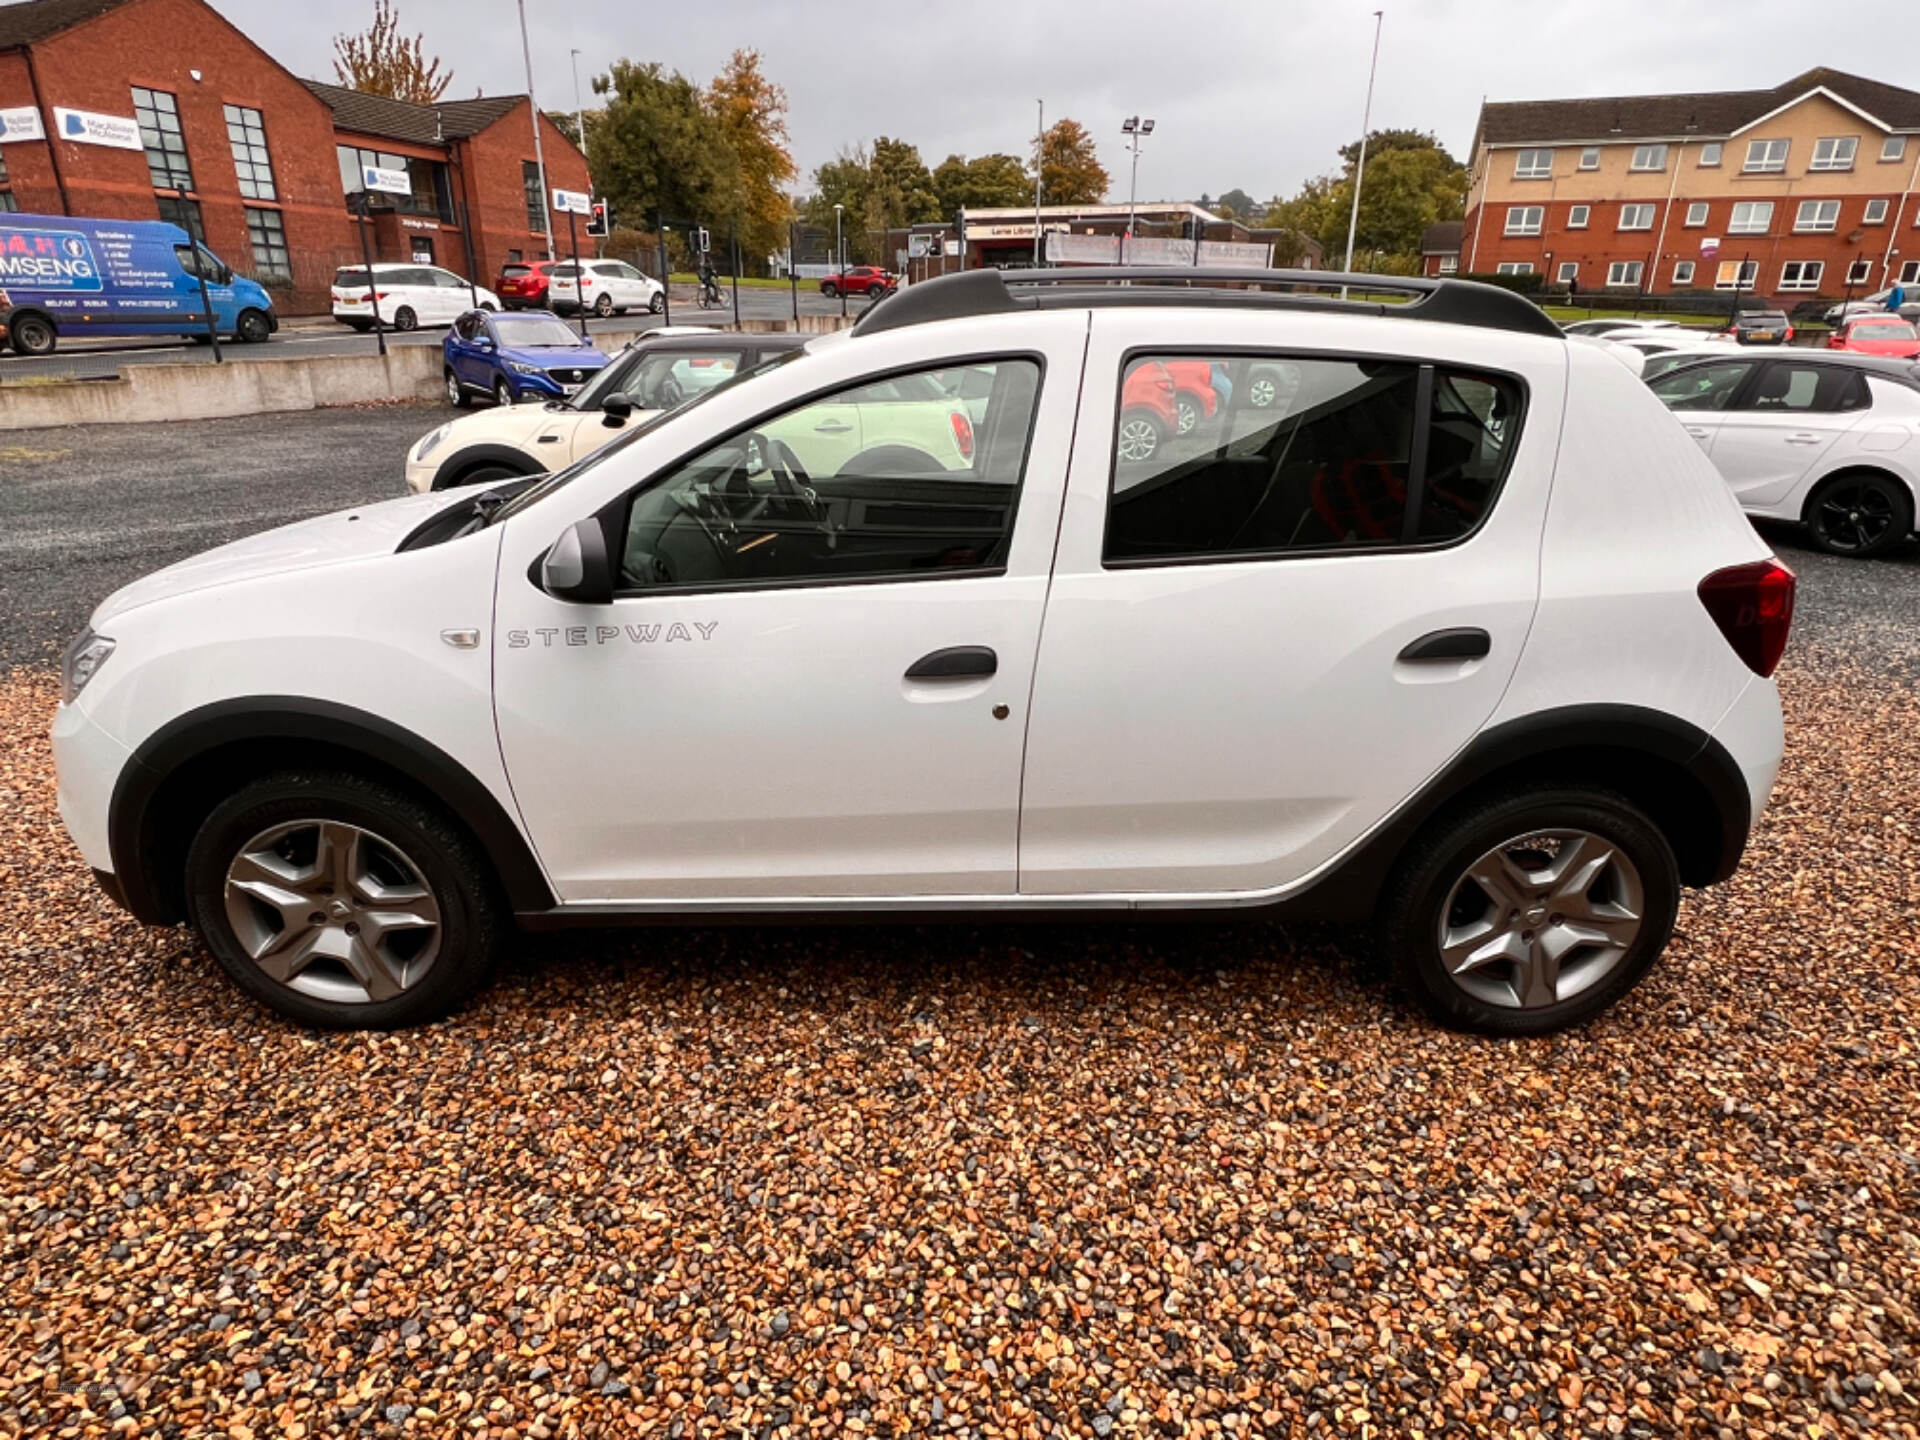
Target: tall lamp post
column 1039, row 170
column 1136, row 130
column 539, row 153
column 840, row 259
column 1360, row 169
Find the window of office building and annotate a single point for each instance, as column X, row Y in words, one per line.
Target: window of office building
column 159, row 115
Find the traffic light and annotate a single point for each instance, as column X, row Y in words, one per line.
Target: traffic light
column 702, row 243
column 600, row 218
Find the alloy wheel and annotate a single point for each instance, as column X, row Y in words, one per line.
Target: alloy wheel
column 1261, row 392
column 1540, row 918
column 333, row 911
column 1189, row 415
column 1138, row 440
column 1854, row 515
column 502, row 393
column 454, row 393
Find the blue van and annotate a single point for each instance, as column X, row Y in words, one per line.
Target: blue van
column 61, row 276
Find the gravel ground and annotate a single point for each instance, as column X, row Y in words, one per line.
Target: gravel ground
column 1061, row 1181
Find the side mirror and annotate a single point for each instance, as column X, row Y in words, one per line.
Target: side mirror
column 484, row 342
column 618, row 409
column 578, row 567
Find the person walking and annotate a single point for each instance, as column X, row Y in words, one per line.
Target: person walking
column 1896, row 297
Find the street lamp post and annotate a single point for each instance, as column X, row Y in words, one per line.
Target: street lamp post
column 539, row 152
column 1039, row 171
column 1136, row 130
column 840, row 259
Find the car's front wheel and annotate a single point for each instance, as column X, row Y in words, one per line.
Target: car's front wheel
column 603, row 307
column 253, row 328
column 344, row 904
column 1187, row 411
column 456, row 392
column 33, row 335
column 829, row 290
column 1859, row 513
column 1531, row 910
column 1141, row 436
column 502, row 392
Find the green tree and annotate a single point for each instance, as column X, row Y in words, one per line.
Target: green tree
column 1070, row 169
column 752, row 113
column 1410, row 183
column 846, row 181
column 1236, row 204
column 658, row 146
column 883, row 188
column 902, row 188
column 986, row 182
column 382, row 61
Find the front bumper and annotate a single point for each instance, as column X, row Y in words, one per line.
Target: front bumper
column 87, row 764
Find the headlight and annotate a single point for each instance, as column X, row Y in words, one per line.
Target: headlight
column 520, row 369
column 427, row 446
column 85, row 656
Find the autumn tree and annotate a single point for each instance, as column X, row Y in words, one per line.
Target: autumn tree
column 382, row 61
column 986, row 182
column 1070, row 169
column 1410, row 183
column 751, row 113
column 657, row 146
column 1236, row 204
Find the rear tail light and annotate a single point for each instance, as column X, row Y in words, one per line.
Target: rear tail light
column 962, row 433
column 1753, row 606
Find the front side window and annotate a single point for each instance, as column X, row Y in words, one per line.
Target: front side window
column 1636, row 217
column 1766, row 157
column 1751, row 217
column 1683, row 272
column 1590, row 158
column 1577, row 217
column 1836, row 152
column 247, row 137
column 1311, row 454
column 668, row 379
column 269, row 236
column 1697, row 213
column 1525, row 219
column 536, row 200
column 897, row 479
column 1710, row 154
column 1624, row 272
column 1533, row 165
column 1876, row 213
column 1702, row 387
column 1817, row 215
column 1649, row 157
column 1801, row 274
column 159, row 115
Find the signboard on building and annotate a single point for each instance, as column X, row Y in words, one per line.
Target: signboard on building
column 84, row 127
column 918, row 246
column 21, row 124
column 390, row 182
column 1709, row 247
column 575, row 202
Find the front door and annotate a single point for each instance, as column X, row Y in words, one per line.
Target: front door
column 1701, row 395
column 1262, row 638
column 1779, row 426
column 802, row 691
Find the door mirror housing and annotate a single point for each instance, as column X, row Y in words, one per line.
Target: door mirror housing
column 618, row 409
column 577, row 567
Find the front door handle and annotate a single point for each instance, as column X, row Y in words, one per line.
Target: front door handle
column 1465, row 643
column 956, row 662
column 1803, row 439
column 550, row 439
column 831, row 427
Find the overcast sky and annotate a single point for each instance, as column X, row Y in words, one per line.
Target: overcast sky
column 1251, row 93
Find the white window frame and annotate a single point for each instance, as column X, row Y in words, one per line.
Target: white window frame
column 1696, row 213
column 1648, row 159
column 1876, row 213
column 1767, row 157
column 1806, row 274
column 1449, row 264
column 1759, row 218
column 1527, row 164
column 1683, row 272
column 1834, row 152
column 1569, row 270
column 1529, row 221
column 1859, row 272
column 1816, row 217
column 1746, row 272
column 1893, row 147
column 1590, row 158
column 1618, row 277
column 1710, row 154
column 1578, row 216
column 1636, row 212
column 1910, row 272
column 1514, row 267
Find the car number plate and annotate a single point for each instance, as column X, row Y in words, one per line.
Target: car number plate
column 570, row 389
column 1760, row 334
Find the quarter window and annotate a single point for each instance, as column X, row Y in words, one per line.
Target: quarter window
column 1533, row 165
column 1577, row 217
column 269, row 236
column 1649, row 157
column 897, row 479
column 1766, row 157
column 247, row 136
column 1697, row 213
column 1834, row 153
column 1801, row 274
column 1636, row 217
column 159, row 115
column 1525, row 219
column 1751, row 217
column 1817, row 215
column 1309, row 454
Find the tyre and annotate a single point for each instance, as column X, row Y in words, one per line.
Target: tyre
column 343, row 904
column 489, row 307
column 874, row 292
column 502, row 392
column 252, row 328
column 457, row 393
column 405, row 320
column 657, row 303
column 1859, row 513
column 603, row 307
column 1186, row 412
column 1141, row 435
column 829, row 289
column 32, row 335
column 488, row 473
column 359, row 327
column 1531, row 910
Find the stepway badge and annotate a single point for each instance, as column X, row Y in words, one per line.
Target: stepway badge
column 84, row 127
column 48, row 260
column 21, row 124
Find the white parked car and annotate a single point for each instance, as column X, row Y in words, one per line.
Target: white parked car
column 1825, row 438
column 611, row 287
column 408, row 296
column 1876, row 304
column 1615, row 327
column 1339, row 657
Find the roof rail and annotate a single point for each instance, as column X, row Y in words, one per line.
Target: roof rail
column 994, row 292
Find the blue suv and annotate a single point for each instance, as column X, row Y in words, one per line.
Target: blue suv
column 528, row 354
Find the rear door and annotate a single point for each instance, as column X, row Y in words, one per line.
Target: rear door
column 1263, row 638
column 1701, row 395
column 1781, row 424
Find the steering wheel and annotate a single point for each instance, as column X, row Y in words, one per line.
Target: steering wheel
column 667, row 393
column 790, row 479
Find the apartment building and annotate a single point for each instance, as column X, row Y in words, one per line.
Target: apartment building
column 1805, row 189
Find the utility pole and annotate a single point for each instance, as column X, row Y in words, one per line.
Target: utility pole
column 1360, row 169
column 580, row 124
column 1136, row 130
column 840, row 259
column 1039, row 170
column 539, row 152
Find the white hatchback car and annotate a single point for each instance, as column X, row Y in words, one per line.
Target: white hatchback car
column 407, row 296
column 610, row 287
column 1465, row 636
column 1828, row 439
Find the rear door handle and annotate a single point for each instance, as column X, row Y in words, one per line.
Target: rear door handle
column 1465, row 643
column 956, row 662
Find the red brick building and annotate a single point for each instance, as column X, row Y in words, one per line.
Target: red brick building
column 259, row 163
column 1803, row 190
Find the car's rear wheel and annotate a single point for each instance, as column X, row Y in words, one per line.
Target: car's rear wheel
column 1531, row 910
column 603, row 307
column 829, row 289
column 874, row 292
column 1187, row 412
column 1859, row 513
column 343, row 904
column 32, row 335
column 657, row 303
column 456, row 392
column 253, row 328
column 360, row 327
column 1141, row 435
column 502, row 392
column 404, row 319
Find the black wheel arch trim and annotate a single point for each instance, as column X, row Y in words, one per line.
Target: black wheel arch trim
column 486, row 453
column 303, row 719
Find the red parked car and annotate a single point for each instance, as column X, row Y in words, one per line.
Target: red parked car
column 523, row 284
column 1876, row 335
column 1194, row 398
column 868, row 280
column 1149, row 413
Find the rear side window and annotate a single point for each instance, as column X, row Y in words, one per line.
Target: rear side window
column 1245, row 456
column 1793, row 388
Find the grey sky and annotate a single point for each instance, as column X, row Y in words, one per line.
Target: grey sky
column 1253, row 93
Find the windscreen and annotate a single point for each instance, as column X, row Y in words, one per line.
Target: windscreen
column 534, row 331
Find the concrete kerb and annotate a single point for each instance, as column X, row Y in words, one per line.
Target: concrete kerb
column 143, row 393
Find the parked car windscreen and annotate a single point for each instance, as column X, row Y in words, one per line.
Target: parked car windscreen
column 563, row 272
column 535, row 332
column 1888, row 329
column 349, row 279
